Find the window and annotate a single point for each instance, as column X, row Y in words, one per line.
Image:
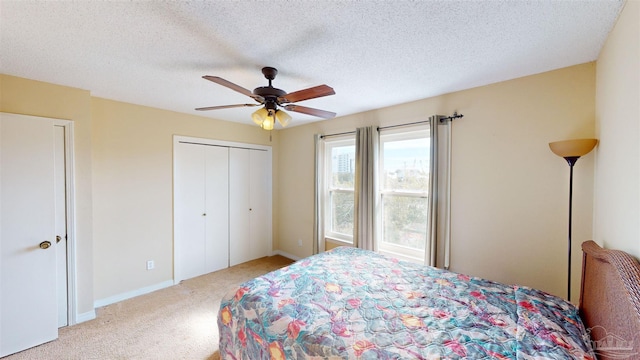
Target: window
column 339, row 157
column 403, row 193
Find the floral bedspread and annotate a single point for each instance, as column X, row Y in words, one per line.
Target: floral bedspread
column 355, row 304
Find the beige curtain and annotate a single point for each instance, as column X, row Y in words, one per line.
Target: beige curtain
column 445, row 190
column 364, row 225
column 318, row 218
column 432, row 216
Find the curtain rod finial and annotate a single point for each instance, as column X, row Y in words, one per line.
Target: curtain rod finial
column 454, row 116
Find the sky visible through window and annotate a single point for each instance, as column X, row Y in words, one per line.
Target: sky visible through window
column 401, row 154
column 406, row 154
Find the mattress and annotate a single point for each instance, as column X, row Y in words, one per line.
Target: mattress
column 349, row 303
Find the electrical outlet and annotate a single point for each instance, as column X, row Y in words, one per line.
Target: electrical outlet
column 299, row 242
column 150, row 265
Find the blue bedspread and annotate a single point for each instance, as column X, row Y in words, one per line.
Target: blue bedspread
column 355, row 304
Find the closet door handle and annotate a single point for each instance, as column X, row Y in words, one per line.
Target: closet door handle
column 204, row 214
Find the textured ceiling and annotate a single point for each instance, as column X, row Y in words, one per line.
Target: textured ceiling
column 373, row 53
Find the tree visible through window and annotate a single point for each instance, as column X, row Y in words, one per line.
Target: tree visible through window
column 404, row 183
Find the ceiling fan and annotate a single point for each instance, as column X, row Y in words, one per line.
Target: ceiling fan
column 273, row 99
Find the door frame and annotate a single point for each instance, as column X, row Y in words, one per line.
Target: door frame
column 72, row 315
column 69, row 174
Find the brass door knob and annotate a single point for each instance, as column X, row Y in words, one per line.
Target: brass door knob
column 45, row 244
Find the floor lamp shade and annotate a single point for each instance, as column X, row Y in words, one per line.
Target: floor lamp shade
column 571, row 150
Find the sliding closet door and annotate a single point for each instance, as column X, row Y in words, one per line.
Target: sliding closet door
column 216, row 208
column 260, row 204
column 222, row 205
column 239, row 207
column 200, row 209
column 189, row 226
column 250, row 205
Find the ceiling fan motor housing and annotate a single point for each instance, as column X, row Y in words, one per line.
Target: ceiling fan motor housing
column 269, row 93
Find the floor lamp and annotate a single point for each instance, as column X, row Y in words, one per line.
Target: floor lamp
column 571, row 150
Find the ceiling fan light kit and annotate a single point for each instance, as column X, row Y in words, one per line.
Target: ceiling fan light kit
column 283, row 118
column 273, row 98
column 265, row 118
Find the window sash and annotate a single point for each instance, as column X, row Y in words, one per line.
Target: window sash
column 422, row 194
column 331, row 216
column 389, row 193
column 415, row 252
column 331, row 191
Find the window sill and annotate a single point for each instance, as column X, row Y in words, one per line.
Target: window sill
column 338, row 241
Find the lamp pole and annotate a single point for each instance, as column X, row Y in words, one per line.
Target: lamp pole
column 571, row 160
column 571, row 150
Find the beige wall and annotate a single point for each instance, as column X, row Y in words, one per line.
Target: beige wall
column 509, row 191
column 28, row 97
column 123, row 164
column 617, row 181
column 133, row 187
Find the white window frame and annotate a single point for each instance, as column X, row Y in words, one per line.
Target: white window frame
column 403, row 252
column 328, row 189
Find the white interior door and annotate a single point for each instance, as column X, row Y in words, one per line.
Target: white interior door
column 28, row 306
column 260, row 204
column 216, row 207
column 239, row 207
column 61, row 225
column 201, row 201
column 250, row 204
column 189, row 211
column 222, row 204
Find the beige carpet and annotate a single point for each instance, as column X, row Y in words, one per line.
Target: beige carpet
column 179, row 322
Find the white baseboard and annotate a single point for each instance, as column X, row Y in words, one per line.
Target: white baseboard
column 131, row 294
column 287, row 255
column 89, row 315
column 145, row 290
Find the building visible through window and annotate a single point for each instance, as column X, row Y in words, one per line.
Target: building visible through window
column 339, row 192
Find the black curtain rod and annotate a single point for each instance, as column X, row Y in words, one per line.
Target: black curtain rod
column 399, row 125
column 338, row 134
column 442, row 119
column 378, row 128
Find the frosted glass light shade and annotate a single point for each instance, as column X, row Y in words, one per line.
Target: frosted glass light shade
column 267, row 124
column 259, row 116
column 283, row 118
column 573, row 148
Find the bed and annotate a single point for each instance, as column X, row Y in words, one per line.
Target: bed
column 355, row 304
